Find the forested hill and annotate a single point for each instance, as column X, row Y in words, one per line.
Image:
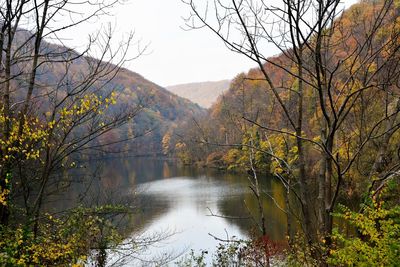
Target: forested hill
column 202, row 93
column 159, row 111
column 357, row 67
column 323, row 117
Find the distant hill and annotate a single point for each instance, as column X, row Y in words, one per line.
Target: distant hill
column 202, row 93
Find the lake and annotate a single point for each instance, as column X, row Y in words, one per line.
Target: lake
column 178, row 201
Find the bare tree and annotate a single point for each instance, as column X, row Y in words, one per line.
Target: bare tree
column 338, row 64
column 56, row 102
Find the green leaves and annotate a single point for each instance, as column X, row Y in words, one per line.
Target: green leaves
column 377, row 241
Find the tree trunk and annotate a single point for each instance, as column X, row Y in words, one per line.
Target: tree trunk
column 303, row 179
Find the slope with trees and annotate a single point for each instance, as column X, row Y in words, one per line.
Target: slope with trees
column 323, row 116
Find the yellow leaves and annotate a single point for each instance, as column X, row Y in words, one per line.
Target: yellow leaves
column 65, row 112
column 51, row 124
column 232, row 158
column 60, row 242
column 34, row 137
column 25, row 144
column 317, row 139
column 372, row 67
column 166, row 142
column 4, row 192
column 112, row 98
column 21, row 261
column 90, row 103
column 277, row 168
column 54, row 246
column 180, row 145
column 3, row 196
column 36, row 134
column 285, row 152
column 33, row 154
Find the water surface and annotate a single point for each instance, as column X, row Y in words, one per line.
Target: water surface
column 173, row 199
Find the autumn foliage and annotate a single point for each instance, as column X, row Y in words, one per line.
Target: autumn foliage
column 322, row 116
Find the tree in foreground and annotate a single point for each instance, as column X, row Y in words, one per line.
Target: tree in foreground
column 335, row 90
column 55, row 104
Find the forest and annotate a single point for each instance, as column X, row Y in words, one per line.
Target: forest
column 322, row 118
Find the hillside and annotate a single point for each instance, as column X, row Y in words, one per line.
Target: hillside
column 159, row 110
column 251, row 107
column 323, row 117
column 202, row 93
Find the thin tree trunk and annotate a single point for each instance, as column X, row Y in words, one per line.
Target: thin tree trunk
column 35, row 60
column 6, row 170
column 304, row 185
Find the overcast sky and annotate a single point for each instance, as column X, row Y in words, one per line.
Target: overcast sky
column 174, row 56
column 178, row 56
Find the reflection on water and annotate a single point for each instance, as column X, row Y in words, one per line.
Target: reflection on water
column 178, row 198
column 190, row 201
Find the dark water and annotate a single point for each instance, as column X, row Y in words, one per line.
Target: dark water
column 171, row 198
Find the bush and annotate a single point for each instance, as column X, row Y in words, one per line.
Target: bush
column 59, row 241
column 377, row 242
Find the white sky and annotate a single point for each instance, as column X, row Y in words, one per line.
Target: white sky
column 174, row 56
column 179, row 56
